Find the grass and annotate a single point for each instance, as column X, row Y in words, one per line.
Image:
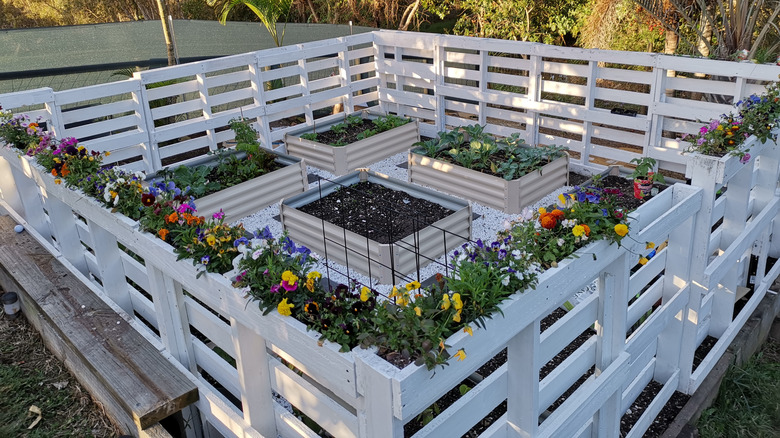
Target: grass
column 31, row 376
column 748, row 404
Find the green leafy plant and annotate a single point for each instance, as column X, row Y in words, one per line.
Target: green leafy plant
column 644, row 170
column 311, row 136
column 472, row 148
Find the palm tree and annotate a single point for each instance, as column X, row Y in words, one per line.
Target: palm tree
column 268, row 11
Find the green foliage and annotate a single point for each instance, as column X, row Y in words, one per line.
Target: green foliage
column 472, row 148
column 748, row 403
column 270, row 12
column 644, row 170
column 522, row 20
column 311, row 136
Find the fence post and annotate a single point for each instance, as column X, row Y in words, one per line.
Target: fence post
column 151, row 153
column 676, row 271
column 523, row 363
column 375, row 418
column 440, row 112
column 66, row 232
column 110, row 268
column 703, row 176
column 734, row 221
column 256, row 78
column 203, row 92
column 254, row 378
column 8, row 189
column 611, row 336
column 174, row 327
column 346, row 78
column 30, row 195
column 534, row 94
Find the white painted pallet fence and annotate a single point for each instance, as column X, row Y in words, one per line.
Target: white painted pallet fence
column 550, row 94
column 747, row 209
column 431, row 77
column 343, row 392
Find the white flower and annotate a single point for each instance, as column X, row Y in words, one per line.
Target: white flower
column 116, row 200
column 569, row 223
column 561, row 242
column 505, row 280
column 256, row 255
column 516, row 253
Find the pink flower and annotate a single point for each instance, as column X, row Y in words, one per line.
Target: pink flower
column 745, row 158
column 219, row 215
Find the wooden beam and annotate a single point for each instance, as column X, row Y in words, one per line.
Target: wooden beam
column 128, row 375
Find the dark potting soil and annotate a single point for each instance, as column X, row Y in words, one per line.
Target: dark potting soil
column 377, row 212
column 576, row 179
column 348, row 135
column 493, row 364
column 668, row 413
column 626, row 197
column 703, row 350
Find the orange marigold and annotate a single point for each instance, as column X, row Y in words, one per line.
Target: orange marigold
column 587, row 229
column 548, row 221
column 558, row 214
column 163, row 233
column 54, row 172
column 171, row 218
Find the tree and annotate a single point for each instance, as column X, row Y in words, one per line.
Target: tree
column 524, row 20
column 734, row 25
column 268, row 11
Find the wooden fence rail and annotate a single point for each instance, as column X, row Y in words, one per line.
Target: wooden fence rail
column 643, row 323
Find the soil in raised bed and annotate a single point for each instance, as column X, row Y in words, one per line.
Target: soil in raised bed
column 377, row 212
column 347, row 136
column 667, row 415
column 626, row 197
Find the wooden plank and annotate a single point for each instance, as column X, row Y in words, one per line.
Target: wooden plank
column 103, row 348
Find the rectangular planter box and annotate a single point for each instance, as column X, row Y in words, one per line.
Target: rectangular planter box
column 340, row 160
column 492, row 191
column 368, row 256
column 251, row 196
column 555, row 286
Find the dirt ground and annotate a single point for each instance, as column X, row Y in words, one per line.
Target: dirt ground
column 33, row 380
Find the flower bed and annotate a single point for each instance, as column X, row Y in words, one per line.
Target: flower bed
column 243, row 199
column 368, row 256
column 342, row 159
column 473, row 171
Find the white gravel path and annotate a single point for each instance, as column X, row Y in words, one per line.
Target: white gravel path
column 485, row 227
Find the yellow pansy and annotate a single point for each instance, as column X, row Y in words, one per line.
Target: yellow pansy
column 468, row 330
column 445, row 302
column 365, row 293
column 417, row 311
column 284, row 308
column 460, row 355
column 621, row 229
column 456, row 301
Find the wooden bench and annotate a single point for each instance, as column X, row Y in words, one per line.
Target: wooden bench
column 136, row 384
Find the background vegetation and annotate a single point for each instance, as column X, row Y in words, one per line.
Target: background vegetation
column 716, row 28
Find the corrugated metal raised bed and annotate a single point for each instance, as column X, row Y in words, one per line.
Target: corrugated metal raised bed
column 340, row 160
column 385, row 262
column 251, row 196
column 492, row 191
